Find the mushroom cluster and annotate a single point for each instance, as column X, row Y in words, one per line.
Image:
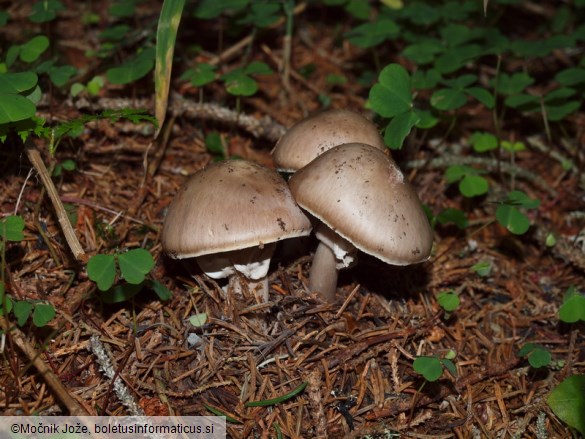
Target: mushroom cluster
column 230, row 215
column 356, row 194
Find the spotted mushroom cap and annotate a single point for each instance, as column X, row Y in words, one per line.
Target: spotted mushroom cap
column 314, row 135
column 228, row 206
column 362, row 195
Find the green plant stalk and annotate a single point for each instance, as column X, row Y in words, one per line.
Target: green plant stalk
column 545, row 121
column 287, row 43
column 278, row 400
column 498, row 120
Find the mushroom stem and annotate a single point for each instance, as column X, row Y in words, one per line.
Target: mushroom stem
column 323, row 273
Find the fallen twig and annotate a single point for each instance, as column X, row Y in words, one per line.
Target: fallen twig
column 75, row 409
column 35, row 158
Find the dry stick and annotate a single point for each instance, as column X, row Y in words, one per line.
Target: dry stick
column 447, row 160
column 181, row 107
column 75, row 409
column 122, row 392
column 35, row 158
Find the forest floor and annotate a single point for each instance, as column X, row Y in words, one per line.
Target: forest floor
column 357, row 353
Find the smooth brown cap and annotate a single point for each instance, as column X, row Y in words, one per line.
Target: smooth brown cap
column 362, row 195
column 320, row 132
column 228, row 206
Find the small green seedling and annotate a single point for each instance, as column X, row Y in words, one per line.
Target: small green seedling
column 431, row 367
column 391, row 97
column 471, row 183
column 132, row 266
column 482, row 268
column 66, row 165
column 215, row 144
column 11, row 229
column 198, row 320
column 573, row 308
column 239, row 82
column 448, row 300
column 133, row 69
column 538, row 356
column 45, row 10
column 42, row 313
column 453, row 216
column 567, row 401
column 200, row 75
column 509, row 215
column 456, row 92
column 483, row 142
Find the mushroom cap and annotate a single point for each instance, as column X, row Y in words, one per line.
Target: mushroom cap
column 362, row 195
column 228, row 206
column 314, row 135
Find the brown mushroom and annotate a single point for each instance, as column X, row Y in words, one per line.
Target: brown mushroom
column 229, row 216
column 320, row 132
column 362, row 200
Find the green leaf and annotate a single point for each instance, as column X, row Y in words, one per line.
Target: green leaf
column 451, row 215
column 473, row 186
column 448, row 99
column 198, row 320
column 512, row 84
column 133, row 69
column 4, row 17
column 33, row 49
column 123, row 8
column 512, row 219
column 482, row 95
column 372, row 34
column 22, row 310
column 166, row 34
column 206, row 9
column 448, row 300
column 160, row 290
column 135, row 264
column 483, row 142
column 482, row 268
column 102, row 270
column 241, row 85
column 11, row 228
column 538, row 356
column 43, row 313
column 45, row 10
column 571, row 77
column 424, row 80
column 450, row 366
column 60, row 75
column 519, row 198
column 120, row 293
column 573, row 309
column 559, row 112
column 429, row 367
column 214, row 144
column 17, row 82
column 567, row 401
column 200, row 75
column 392, row 95
column 423, row 52
column 280, row 399
column 513, row 146
column 398, row 128
column 257, row 68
